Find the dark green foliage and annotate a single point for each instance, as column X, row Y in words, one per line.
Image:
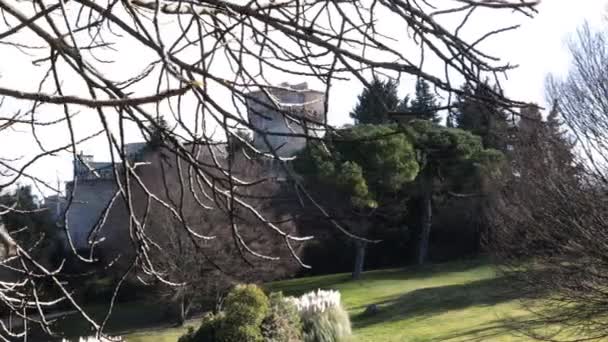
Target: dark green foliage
column 452, row 155
column 403, row 106
column 560, row 146
column 207, row 332
column 364, row 162
column 481, row 117
column 543, row 144
column 424, row 105
column 38, row 222
column 188, row 336
column 392, row 176
column 283, row 321
column 25, row 201
column 476, row 112
column 349, row 176
column 375, row 103
column 246, row 303
column 489, row 162
column 443, row 149
column 157, row 132
column 446, row 157
column 245, row 308
column 390, row 171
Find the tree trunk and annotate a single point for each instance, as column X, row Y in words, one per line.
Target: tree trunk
column 359, row 258
column 181, row 315
column 183, row 309
column 425, row 226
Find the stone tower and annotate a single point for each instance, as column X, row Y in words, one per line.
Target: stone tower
column 305, row 108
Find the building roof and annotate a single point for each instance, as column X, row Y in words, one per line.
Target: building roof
column 99, row 165
column 134, row 148
column 300, row 88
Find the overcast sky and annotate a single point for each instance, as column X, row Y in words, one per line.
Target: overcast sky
column 538, row 47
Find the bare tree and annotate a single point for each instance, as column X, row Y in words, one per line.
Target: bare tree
column 552, row 222
column 206, row 269
column 197, row 61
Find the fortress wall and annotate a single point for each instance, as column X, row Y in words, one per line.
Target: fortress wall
column 90, row 199
column 273, row 121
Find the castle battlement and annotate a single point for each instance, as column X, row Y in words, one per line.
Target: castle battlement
column 285, row 114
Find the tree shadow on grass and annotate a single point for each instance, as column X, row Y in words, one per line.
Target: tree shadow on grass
column 426, row 302
column 486, row 332
column 528, row 327
column 417, row 272
column 125, row 317
column 297, row 287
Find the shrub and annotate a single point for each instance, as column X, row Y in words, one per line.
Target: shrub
column 331, row 325
column 250, row 316
column 188, row 337
column 323, row 317
column 247, row 303
column 207, row 332
column 95, row 339
column 283, row 322
column 245, row 308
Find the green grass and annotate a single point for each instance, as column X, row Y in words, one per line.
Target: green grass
column 125, row 317
column 164, row 335
column 458, row 301
column 463, row 301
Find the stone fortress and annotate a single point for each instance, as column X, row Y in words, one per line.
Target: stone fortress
column 297, row 111
column 281, row 115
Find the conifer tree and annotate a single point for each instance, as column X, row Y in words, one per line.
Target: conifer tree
column 375, row 103
column 481, row 117
column 424, row 105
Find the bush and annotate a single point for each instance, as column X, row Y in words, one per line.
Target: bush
column 250, row 316
column 331, row 325
column 245, row 308
column 188, row 337
column 207, row 332
column 246, row 303
column 323, row 317
column 283, row 323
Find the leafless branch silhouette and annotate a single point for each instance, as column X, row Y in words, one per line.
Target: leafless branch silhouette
column 202, row 62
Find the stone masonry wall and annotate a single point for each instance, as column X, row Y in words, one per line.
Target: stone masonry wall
column 90, row 199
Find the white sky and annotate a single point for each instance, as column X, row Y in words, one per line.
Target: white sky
column 538, row 47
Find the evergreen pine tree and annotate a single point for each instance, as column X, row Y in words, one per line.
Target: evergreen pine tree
column 424, row 105
column 481, row 117
column 404, row 105
column 157, row 132
column 375, row 103
column 560, row 147
column 38, row 222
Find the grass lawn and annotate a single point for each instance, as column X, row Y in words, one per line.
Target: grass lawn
column 165, row 335
column 463, row 301
column 458, row 301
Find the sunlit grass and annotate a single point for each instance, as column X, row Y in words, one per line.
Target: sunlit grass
column 163, row 335
column 447, row 302
column 458, row 301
